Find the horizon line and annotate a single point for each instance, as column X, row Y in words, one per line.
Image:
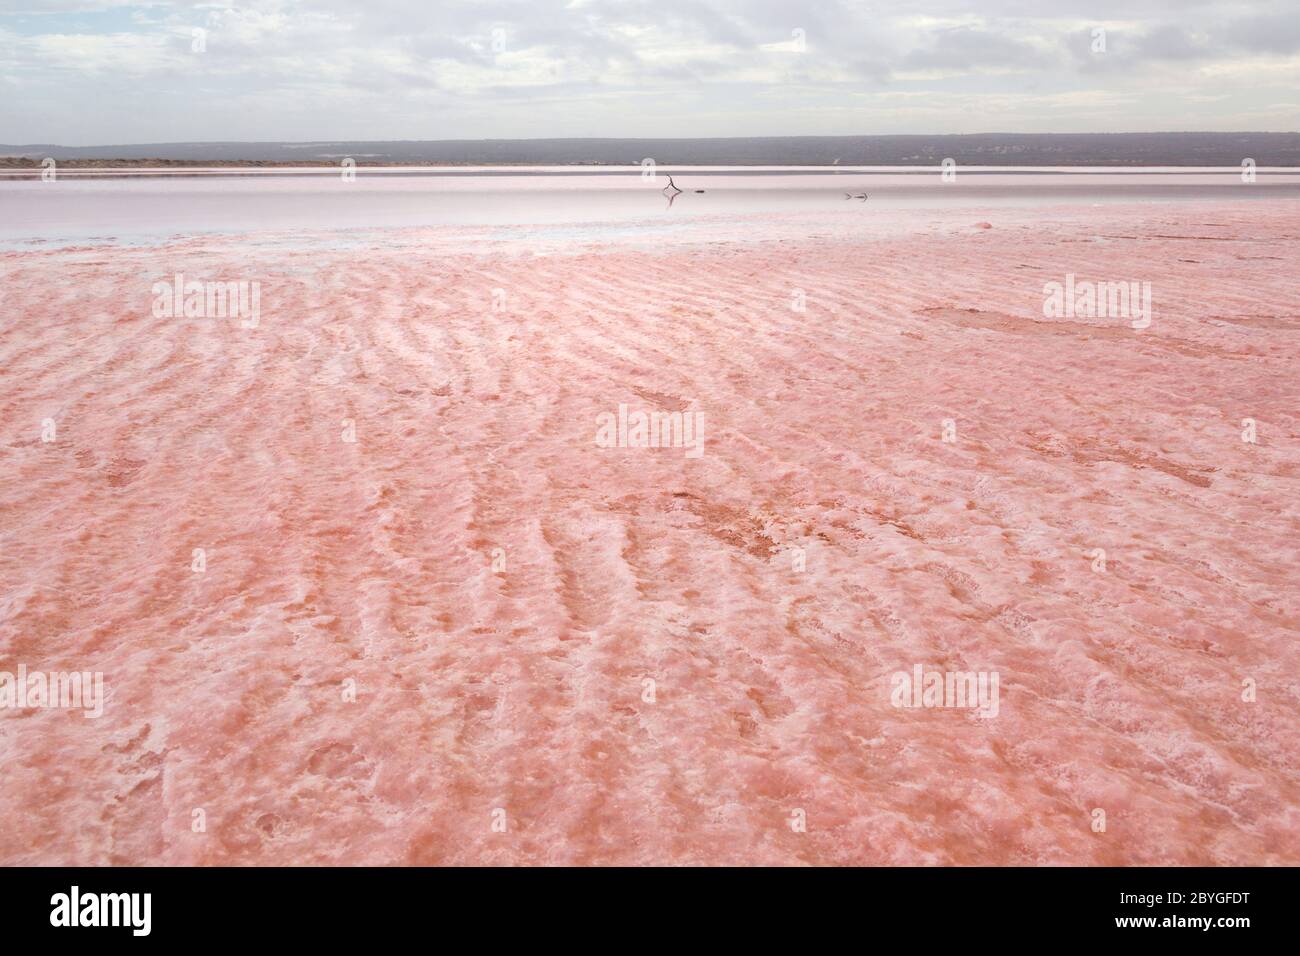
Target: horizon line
column 579, row 139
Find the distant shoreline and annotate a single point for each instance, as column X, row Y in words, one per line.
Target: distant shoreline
column 31, row 162
column 27, row 168
column 12, row 165
column 981, row 149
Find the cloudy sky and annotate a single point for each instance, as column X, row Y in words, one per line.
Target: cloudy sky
column 86, row 72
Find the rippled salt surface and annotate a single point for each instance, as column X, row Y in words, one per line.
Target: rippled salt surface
column 397, row 641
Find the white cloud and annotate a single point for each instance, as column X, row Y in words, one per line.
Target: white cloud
column 113, row 71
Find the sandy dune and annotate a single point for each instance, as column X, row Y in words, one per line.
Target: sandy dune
column 515, row 680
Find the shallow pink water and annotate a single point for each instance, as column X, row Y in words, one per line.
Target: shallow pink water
column 91, row 207
column 517, row 693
